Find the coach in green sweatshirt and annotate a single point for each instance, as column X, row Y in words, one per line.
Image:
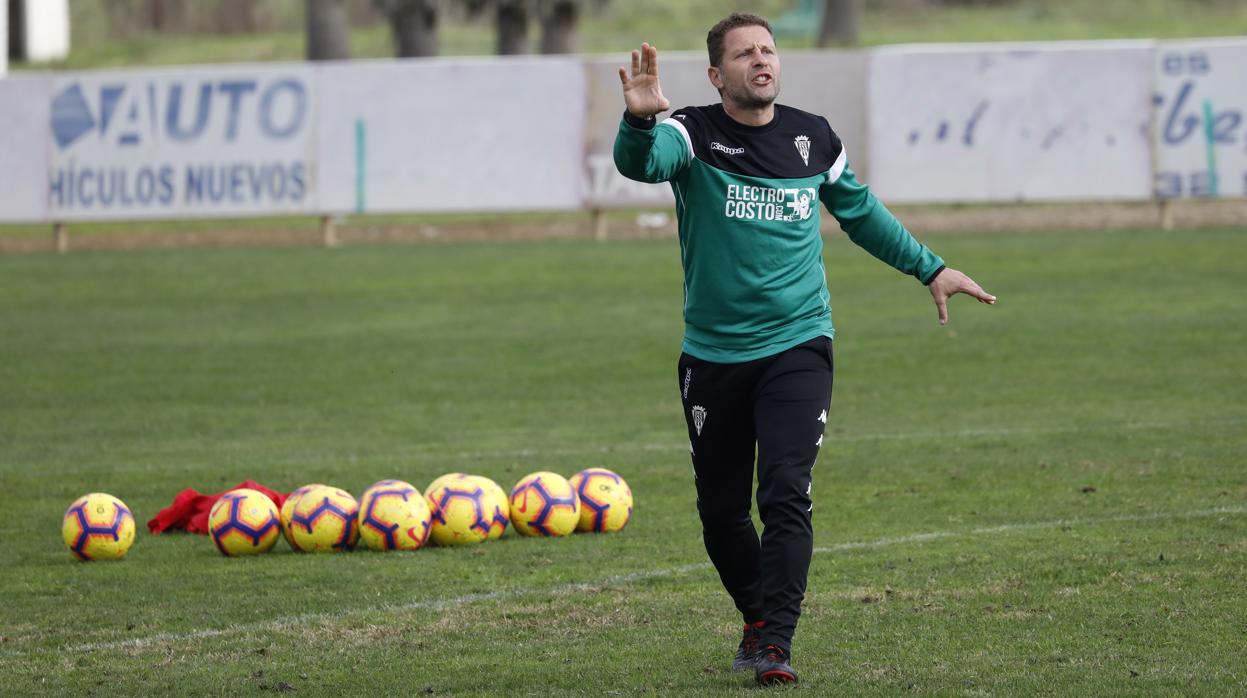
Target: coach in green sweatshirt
column 756, row 367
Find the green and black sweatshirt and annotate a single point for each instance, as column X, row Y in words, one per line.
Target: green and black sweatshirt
column 747, row 205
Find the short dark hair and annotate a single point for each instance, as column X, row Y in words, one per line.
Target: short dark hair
column 714, row 40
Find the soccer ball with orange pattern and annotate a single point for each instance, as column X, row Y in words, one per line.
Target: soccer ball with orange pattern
column 464, row 511
column 393, row 515
column 244, row 522
column 544, row 504
column 98, row 526
column 287, row 511
column 605, row 500
column 498, row 507
column 325, row 519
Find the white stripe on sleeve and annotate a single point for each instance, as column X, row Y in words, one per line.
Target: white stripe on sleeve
column 675, row 123
column 837, row 168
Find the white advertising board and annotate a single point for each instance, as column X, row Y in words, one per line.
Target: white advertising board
column 24, row 139
column 203, row 141
column 830, row 83
column 1019, row 122
column 1201, row 118
column 451, row 135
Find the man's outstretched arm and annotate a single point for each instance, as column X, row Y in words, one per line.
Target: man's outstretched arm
column 643, row 152
column 871, row 225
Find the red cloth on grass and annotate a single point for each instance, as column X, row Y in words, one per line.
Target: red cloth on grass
column 189, row 509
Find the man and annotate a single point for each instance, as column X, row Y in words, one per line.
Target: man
column 756, row 367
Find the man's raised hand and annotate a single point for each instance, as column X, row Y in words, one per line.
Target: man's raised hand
column 642, row 93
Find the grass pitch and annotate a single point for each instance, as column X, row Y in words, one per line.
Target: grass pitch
column 1045, row 497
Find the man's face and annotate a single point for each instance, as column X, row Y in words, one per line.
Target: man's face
column 748, row 72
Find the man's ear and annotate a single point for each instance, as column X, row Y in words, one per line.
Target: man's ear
column 713, row 73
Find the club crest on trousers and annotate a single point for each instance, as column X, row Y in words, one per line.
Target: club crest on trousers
column 699, row 417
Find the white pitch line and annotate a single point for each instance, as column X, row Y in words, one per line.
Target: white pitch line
column 427, row 453
column 1006, row 528
column 611, row 581
column 840, row 438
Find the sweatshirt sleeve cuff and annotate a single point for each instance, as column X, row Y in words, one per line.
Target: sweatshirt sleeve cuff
column 931, row 277
column 637, row 122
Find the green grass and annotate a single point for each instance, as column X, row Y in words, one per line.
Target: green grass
column 1075, row 455
column 622, row 25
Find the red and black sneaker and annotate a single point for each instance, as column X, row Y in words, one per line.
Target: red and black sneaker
column 747, row 654
column 772, row 667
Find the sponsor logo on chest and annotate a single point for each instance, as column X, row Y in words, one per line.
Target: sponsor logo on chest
column 750, row 203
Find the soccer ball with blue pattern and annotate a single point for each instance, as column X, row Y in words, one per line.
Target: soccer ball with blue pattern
column 544, row 504
column 324, row 520
column 605, row 500
column 465, row 510
column 244, row 522
column 287, row 512
column 393, row 515
column 498, row 507
column 98, row 526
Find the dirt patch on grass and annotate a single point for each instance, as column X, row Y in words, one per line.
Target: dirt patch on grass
column 625, row 226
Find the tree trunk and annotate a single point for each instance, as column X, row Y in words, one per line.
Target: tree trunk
column 122, row 20
column 156, row 15
column 16, row 31
column 558, row 27
column 328, row 33
column 415, row 28
column 512, row 24
column 236, row 17
column 839, row 26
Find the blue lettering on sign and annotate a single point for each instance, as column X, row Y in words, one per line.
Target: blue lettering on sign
column 71, row 118
column 943, row 127
column 267, row 123
column 240, row 183
column 1181, row 115
column 172, row 127
column 1182, row 119
column 1173, row 185
column 211, row 112
column 1195, row 63
column 85, row 188
column 189, row 108
column 235, row 91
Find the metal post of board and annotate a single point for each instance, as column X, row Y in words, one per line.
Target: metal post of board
column 1166, row 214
column 60, row 237
column 600, row 231
column 328, row 232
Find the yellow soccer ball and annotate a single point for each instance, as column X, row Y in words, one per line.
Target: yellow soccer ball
column 448, row 477
column 244, row 522
column 287, row 511
column 98, row 526
column 498, row 507
column 544, row 504
column 605, row 500
column 393, row 515
column 325, row 519
column 461, row 511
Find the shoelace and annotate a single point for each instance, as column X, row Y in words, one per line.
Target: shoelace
column 775, row 654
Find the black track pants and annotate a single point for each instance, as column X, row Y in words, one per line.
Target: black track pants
column 778, row 405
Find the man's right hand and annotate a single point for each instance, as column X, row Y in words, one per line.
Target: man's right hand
column 642, row 93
